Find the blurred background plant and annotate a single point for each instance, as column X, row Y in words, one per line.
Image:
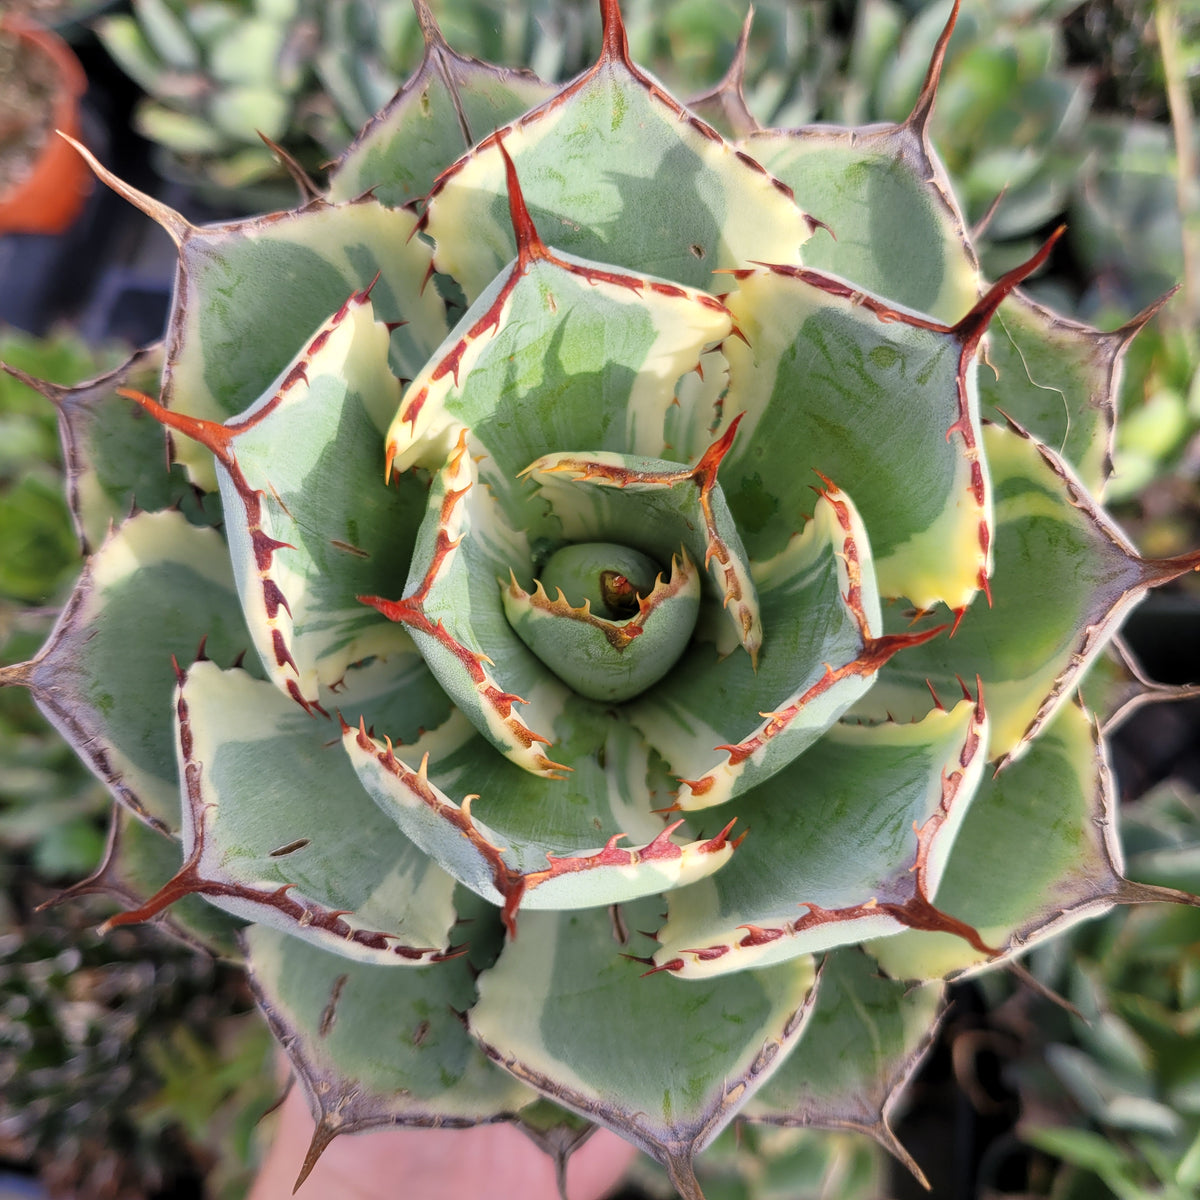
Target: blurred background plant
column 131, row 1066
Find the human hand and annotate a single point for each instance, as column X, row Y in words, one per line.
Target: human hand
column 489, row 1162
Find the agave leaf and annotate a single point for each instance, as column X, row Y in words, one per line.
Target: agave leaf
column 113, row 703
column 657, row 507
column 558, row 354
column 371, row 1051
column 918, row 254
column 313, row 529
column 566, row 992
column 448, row 105
column 555, row 356
column 619, row 657
column 454, row 610
column 115, row 456
column 1024, row 868
column 908, row 407
column 520, row 840
column 261, row 840
column 849, row 842
column 592, row 161
column 863, row 1043
column 1059, row 380
column 897, row 228
column 1065, row 578
column 138, row 860
column 556, row 1132
column 222, row 357
column 725, row 723
column 281, row 275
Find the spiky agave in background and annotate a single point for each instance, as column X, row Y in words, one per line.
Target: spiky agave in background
column 525, row 625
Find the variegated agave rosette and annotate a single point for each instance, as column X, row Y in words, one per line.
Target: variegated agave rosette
column 563, row 458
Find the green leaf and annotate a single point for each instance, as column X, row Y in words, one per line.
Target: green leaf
column 726, row 723
column 450, row 103
column 1093, row 1152
column 1065, row 578
column 837, row 382
column 1037, row 852
column 283, row 276
column 167, row 33
column 137, row 861
column 1059, row 380
column 178, row 132
column 313, row 529
column 518, row 839
column 262, row 841
column 897, row 231
column 371, row 1049
column 116, row 456
column 245, row 112
column 104, row 678
column 656, row 506
column 604, row 655
column 558, row 355
column 664, row 1063
column 862, row 1044
column 123, row 39
column 592, row 162
column 849, row 842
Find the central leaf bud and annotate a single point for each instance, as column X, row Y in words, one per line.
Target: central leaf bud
column 607, row 576
column 607, row 619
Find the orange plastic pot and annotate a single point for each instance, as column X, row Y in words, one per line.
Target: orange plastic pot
column 51, row 196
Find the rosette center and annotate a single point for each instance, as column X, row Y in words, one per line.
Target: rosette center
column 607, row 619
column 608, row 577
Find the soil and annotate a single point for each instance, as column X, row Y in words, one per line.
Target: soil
column 28, row 80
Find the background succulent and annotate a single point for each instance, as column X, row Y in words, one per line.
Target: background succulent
column 308, row 76
column 713, row 457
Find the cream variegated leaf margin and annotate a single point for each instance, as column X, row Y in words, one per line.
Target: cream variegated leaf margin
column 283, row 277
column 834, row 381
column 113, row 705
column 569, row 990
column 453, row 607
column 557, row 354
column 863, row 1042
column 592, row 161
column 137, row 861
column 311, row 530
column 1022, row 869
column 450, row 103
column 725, row 723
column 264, row 840
column 657, row 506
column 848, row 843
column 879, row 193
column 1059, row 379
column 1066, row 576
column 520, row 840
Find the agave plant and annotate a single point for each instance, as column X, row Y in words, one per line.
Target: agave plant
column 522, row 680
